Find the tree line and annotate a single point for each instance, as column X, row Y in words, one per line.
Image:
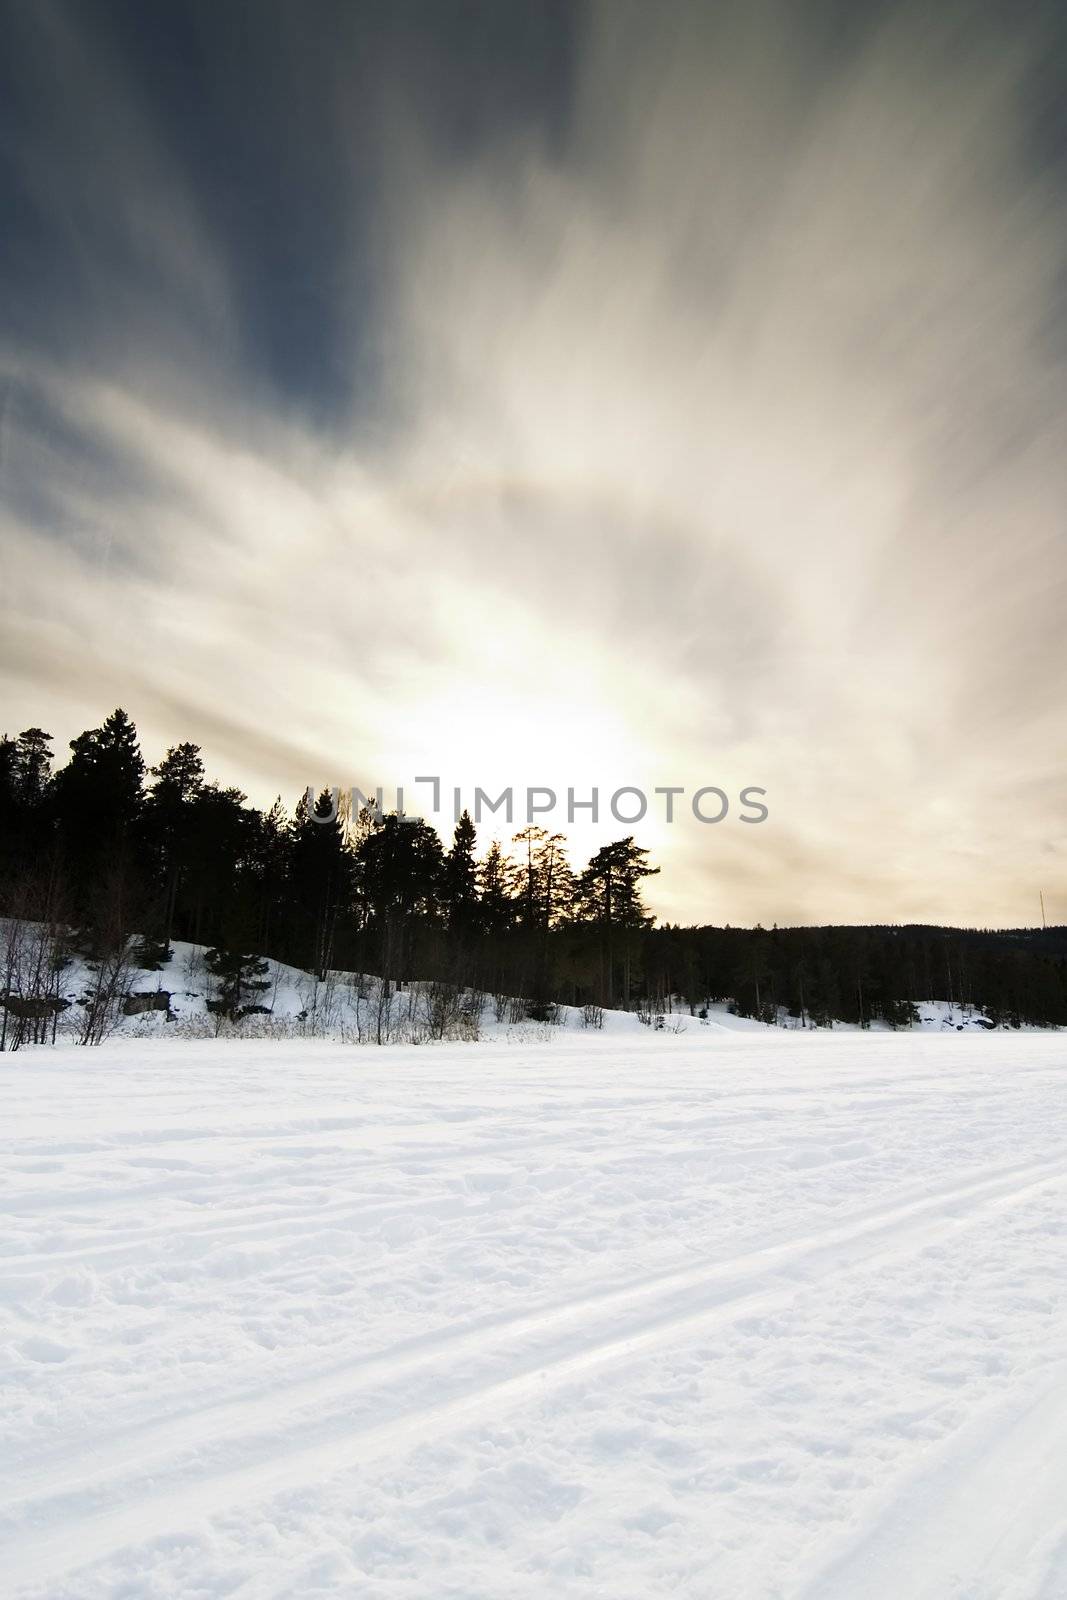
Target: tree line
column 112, row 848
column 107, row 849
column 863, row 974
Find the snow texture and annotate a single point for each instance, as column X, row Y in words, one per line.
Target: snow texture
column 750, row 1315
column 345, row 1006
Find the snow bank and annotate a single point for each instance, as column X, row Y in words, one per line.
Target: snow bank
column 175, row 1001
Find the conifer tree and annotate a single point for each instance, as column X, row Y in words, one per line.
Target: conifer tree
column 33, row 765
column 399, row 864
column 459, row 881
column 608, row 894
column 98, row 801
column 271, row 857
column 28, row 793
column 321, row 865
column 241, row 977
column 167, row 826
column 496, row 886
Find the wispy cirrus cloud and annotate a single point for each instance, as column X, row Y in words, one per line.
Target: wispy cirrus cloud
column 706, row 425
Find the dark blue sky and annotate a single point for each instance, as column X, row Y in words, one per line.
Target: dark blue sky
column 277, row 118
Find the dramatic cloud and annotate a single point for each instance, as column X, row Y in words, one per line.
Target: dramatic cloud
column 692, row 416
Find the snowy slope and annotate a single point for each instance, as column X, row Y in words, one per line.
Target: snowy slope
column 344, row 1007
column 292, row 1003
column 754, row 1315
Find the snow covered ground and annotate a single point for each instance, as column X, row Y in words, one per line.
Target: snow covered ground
column 726, row 1314
column 345, row 1007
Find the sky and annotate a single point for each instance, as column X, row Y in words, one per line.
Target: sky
column 558, row 395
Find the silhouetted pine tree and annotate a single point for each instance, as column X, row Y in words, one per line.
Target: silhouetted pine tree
column 608, row 895
column 322, row 873
column 167, row 828
column 459, row 882
column 98, row 798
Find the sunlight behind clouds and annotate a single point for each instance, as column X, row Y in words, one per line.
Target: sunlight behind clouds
column 716, row 441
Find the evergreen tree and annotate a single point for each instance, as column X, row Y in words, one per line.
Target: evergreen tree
column 26, row 799
column 608, row 895
column 459, row 882
column 9, row 808
column 33, row 766
column 215, row 873
column 752, row 976
column 546, row 890
column 240, row 976
column 526, row 873
column 271, row 854
column 496, row 886
column 543, row 878
column 321, row 879
column 98, row 799
column 400, row 864
column 167, row 826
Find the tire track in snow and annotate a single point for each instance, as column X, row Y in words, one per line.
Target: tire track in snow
column 766, row 1255
column 983, row 1518
column 253, row 1221
column 199, row 1465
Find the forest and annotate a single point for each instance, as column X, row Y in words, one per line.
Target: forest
column 108, row 854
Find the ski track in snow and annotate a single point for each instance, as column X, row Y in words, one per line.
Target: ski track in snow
column 750, row 1316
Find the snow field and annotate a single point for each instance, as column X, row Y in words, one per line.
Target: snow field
column 725, row 1314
